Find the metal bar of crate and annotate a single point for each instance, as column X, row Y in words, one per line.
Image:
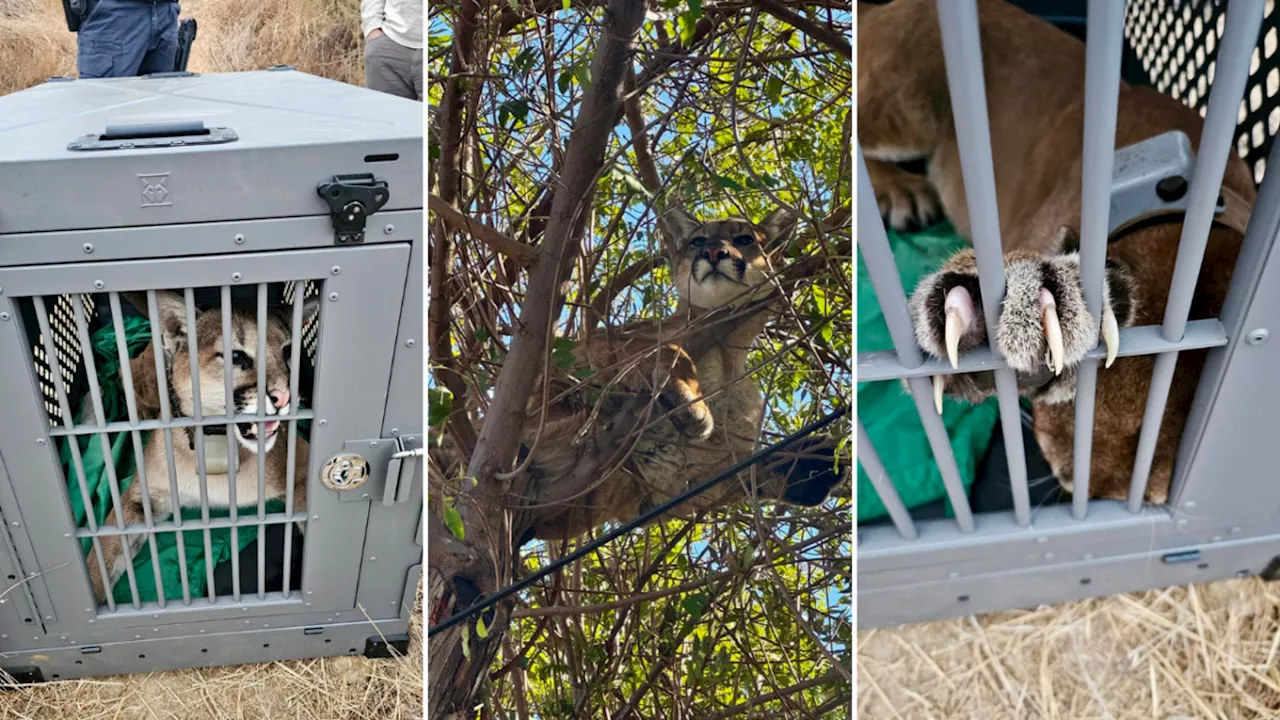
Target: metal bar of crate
column 295, row 358
column 233, row 448
column 1244, row 19
column 166, row 416
column 126, row 374
column 1134, row 341
column 193, row 353
column 263, row 400
column 1101, row 99
column 962, row 52
column 113, row 482
column 173, row 423
column 870, row 461
column 874, row 246
column 77, row 460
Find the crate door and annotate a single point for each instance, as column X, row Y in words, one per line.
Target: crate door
column 78, row 431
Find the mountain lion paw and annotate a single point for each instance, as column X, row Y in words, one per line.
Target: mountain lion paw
column 1044, row 327
column 907, row 201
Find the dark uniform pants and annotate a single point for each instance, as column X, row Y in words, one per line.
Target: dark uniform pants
column 124, row 38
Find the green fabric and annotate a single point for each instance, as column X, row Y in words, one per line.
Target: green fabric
column 137, row 335
column 887, row 410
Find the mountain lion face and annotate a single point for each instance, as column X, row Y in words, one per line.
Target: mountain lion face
column 243, row 356
column 725, row 262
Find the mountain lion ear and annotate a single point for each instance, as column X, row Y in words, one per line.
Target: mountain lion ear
column 779, row 226
column 171, row 309
column 680, row 224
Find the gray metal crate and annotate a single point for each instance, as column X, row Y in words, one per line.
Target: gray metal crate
column 1223, row 514
column 233, row 191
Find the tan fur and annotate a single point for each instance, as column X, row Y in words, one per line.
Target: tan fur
column 1034, row 78
column 154, row 467
column 590, row 465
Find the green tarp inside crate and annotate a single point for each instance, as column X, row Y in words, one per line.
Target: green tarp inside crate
column 137, row 335
column 885, row 408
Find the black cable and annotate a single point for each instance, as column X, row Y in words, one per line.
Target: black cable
column 485, row 603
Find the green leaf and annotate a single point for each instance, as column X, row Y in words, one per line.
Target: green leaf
column 439, row 405
column 565, row 81
column 773, row 88
column 583, row 373
column 453, row 521
column 696, row 605
column 695, row 8
column 583, row 74
column 481, row 630
column 466, row 641
column 686, row 22
column 481, row 334
column 727, row 182
column 564, row 4
column 562, row 352
column 634, row 183
column 525, row 59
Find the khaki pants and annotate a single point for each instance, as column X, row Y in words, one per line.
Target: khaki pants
column 393, row 68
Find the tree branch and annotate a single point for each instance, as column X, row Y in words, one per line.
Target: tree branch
column 449, row 184
column 461, row 222
column 481, row 506
column 824, row 35
column 755, row 702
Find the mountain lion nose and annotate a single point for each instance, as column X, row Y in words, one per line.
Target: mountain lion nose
column 279, row 398
column 715, row 255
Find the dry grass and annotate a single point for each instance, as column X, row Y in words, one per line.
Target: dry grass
column 1201, row 651
column 337, row 688
column 321, row 37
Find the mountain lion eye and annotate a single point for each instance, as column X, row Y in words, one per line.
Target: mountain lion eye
column 698, row 241
column 743, row 240
column 239, row 358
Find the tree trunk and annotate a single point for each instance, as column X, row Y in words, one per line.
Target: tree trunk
column 454, row 681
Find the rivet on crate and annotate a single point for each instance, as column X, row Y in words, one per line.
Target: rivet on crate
column 239, row 238
column 395, row 431
column 410, row 342
column 323, row 422
column 389, row 229
column 4, row 316
column 1257, row 337
column 98, row 284
column 39, row 441
column 333, row 297
column 235, row 277
column 335, row 269
column 88, row 247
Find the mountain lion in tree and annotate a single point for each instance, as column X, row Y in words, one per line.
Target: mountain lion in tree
column 660, row 413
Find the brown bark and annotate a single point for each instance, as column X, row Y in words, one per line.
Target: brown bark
column 453, row 683
column 449, row 181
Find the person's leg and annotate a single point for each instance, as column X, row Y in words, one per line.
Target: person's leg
column 113, row 39
column 417, row 75
column 164, row 39
column 386, row 67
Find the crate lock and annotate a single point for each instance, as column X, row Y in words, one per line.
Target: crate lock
column 351, row 200
column 345, row 472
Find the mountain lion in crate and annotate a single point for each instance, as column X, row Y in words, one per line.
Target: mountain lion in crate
column 1035, row 99
column 154, row 465
column 669, row 402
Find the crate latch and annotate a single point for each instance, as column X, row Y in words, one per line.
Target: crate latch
column 352, row 199
column 399, row 484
